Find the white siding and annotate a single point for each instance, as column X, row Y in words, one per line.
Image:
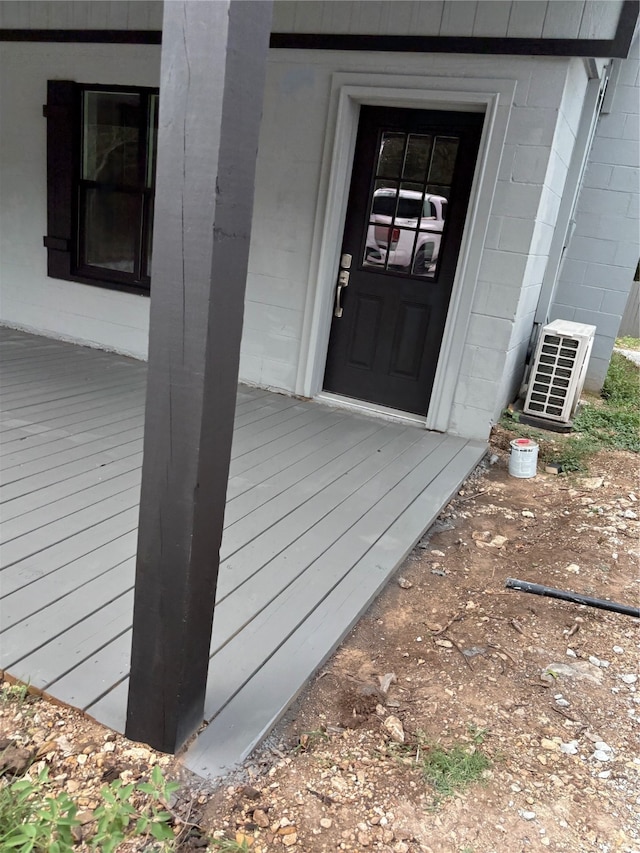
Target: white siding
column 74, row 15
column 601, row 258
column 564, row 19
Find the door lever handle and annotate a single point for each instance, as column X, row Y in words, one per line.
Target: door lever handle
column 337, row 311
column 343, row 281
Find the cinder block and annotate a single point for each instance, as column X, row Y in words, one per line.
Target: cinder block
column 497, row 300
column 530, row 164
column 494, row 332
column 549, row 206
column 588, row 298
column 592, row 249
column 631, row 128
column 614, row 302
column 492, row 237
column 507, row 157
column 597, row 175
column 611, row 125
column 612, row 278
column 519, row 200
column 605, row 202
column 627, row 255
column 625, row 178
column 516, row 234
column 574, row 269
column 606, row 324
column 532, row 126
column 625, row 100
column 547, row 84
column 502, row 267
column 541, row 240
column 615, row 152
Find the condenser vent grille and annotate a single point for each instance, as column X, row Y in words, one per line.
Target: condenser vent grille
column 558, row 371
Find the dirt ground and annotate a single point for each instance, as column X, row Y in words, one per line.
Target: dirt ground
column 546, row 689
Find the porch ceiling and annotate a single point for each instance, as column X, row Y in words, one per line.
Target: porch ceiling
column 322, row 506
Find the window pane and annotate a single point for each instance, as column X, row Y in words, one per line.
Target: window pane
column 391, row 155
column 418, row 156
column 111, row 229
column 111, row 135
column 444, row 160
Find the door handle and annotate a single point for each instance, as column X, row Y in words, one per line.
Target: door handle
column 343, row 281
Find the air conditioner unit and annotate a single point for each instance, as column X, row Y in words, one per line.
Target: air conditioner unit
column 559, row 370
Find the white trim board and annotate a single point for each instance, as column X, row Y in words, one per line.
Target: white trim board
column 349, row 91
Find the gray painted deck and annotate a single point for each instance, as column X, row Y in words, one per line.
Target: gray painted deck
column 322, row 506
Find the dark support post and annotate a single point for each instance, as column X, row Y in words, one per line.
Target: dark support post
column 211, row 91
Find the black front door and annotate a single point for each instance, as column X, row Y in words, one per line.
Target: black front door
column 408, row 199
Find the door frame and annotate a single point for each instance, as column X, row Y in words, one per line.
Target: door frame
column 349, row 91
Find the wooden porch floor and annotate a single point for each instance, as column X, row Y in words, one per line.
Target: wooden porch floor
column 322, row 507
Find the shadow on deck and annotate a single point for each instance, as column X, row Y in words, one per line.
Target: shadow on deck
column 322, row 507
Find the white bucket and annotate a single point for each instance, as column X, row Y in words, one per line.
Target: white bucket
column 524, row 458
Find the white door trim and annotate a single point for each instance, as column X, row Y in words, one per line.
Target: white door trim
column 348, row 92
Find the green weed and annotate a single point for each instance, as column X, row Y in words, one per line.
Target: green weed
column 453, row 769
column 117, row 818
column 33, row 822
column 16, row 693
column 628, row 342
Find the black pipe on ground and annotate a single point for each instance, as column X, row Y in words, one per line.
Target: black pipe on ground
column 575, row 597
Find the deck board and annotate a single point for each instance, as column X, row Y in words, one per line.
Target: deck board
column 322, row 506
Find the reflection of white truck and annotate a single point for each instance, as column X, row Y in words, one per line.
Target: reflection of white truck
column 394, row 239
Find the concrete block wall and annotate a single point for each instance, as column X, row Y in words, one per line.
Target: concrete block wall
column 540, row 140
column 602, row 255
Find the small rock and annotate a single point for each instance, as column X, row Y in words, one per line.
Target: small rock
column 386, row 681
column 581, row 670
column 290, row 839
column 594, row 660
column 14, row 761
column 445, row 644
column 250, row 793
column 393, row 725
column 403, row 583
column 526, row 513
column 601, row 745
column 629, row 513
column 545, row 743
column 601, row 755
column 570, row 748
column 591, row 482
column 260, row 818
column 526, row 815
column 629, row 678
column 571, row 653
column 604, row 774
column 401, row 847
column 326, row 822
column 574, row 568
column 618, row 650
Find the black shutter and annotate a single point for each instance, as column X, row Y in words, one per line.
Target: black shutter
column 63, row 149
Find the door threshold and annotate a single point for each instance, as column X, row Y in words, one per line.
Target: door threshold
column 372, row 409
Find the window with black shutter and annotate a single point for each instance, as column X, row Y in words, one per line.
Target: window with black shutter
column 101, row 153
